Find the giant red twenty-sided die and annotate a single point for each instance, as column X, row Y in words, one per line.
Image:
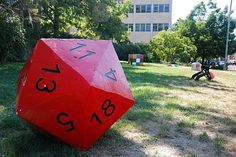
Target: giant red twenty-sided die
column 73, row 89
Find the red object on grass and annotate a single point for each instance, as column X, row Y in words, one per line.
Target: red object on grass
column 212, row 75
column 73, row 89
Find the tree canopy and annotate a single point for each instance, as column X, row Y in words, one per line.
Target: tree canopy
column 172, row 47
column 34, row 19
column 206, row 26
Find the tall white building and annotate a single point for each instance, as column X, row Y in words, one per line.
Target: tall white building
column 147, row 17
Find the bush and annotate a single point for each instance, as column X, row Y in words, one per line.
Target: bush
column 124, row 49
column 12, row 36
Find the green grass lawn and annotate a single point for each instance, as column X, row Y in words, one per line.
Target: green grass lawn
column 173, row 116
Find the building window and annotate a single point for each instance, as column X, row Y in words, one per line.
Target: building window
column 137, row 28
column 155, row 8
column 160, row 26
column 130, row 27
column 142, row 27
column 166, row 26
column 131, row 10
column 138, row 9
column 167, row 8
column 143, row 8
column 148, row 27
column 147, row 8
column 161, row 8
column 154, row 27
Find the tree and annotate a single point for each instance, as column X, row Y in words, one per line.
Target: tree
column 106, row 20
column 93, row 19
column 172, row 47
column 207, row 30
column 12, row 35
column 96, row 19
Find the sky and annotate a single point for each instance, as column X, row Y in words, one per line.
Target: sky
column 181, row 8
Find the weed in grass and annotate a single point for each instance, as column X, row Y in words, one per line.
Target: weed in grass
column 190, row 155
column 167, row 114
column 218, row 144
column 139, row 115
column 164, row 115
column 185, row 126
column 185, row 123
column 233, row 130
column 204, row 137
column 2, row 108
column 124, row 124
column 164, row 131
column 194, row 119
column 229, row 121
column 172, row 103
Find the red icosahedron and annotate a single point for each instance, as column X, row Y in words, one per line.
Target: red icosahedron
column 73, row 89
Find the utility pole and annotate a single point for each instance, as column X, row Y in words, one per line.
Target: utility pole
column 227, row 37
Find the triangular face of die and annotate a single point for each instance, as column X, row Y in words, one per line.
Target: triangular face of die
column 82, row 55
column 109, row 75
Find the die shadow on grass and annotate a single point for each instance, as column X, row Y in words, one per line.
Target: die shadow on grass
column 29, row 144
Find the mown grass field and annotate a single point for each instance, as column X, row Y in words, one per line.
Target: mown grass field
column 173, row 116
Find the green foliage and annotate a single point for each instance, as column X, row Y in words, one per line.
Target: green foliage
column 105, row 20
column 24, row 22
column 164, row 131
column 12, row 35
column 219, row 143
column 172, row 47
column 92, row 19
column 233, row 130
column 206, row 26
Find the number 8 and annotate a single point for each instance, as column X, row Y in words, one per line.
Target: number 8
column 105, row 108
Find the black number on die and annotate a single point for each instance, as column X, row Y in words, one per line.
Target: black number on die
column 57, row 70
column 68, row 123
column 96, row 117
column 106, row 106
column 45, row 87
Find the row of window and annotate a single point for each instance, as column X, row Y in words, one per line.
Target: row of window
column 146, row 27
column 147, row 8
